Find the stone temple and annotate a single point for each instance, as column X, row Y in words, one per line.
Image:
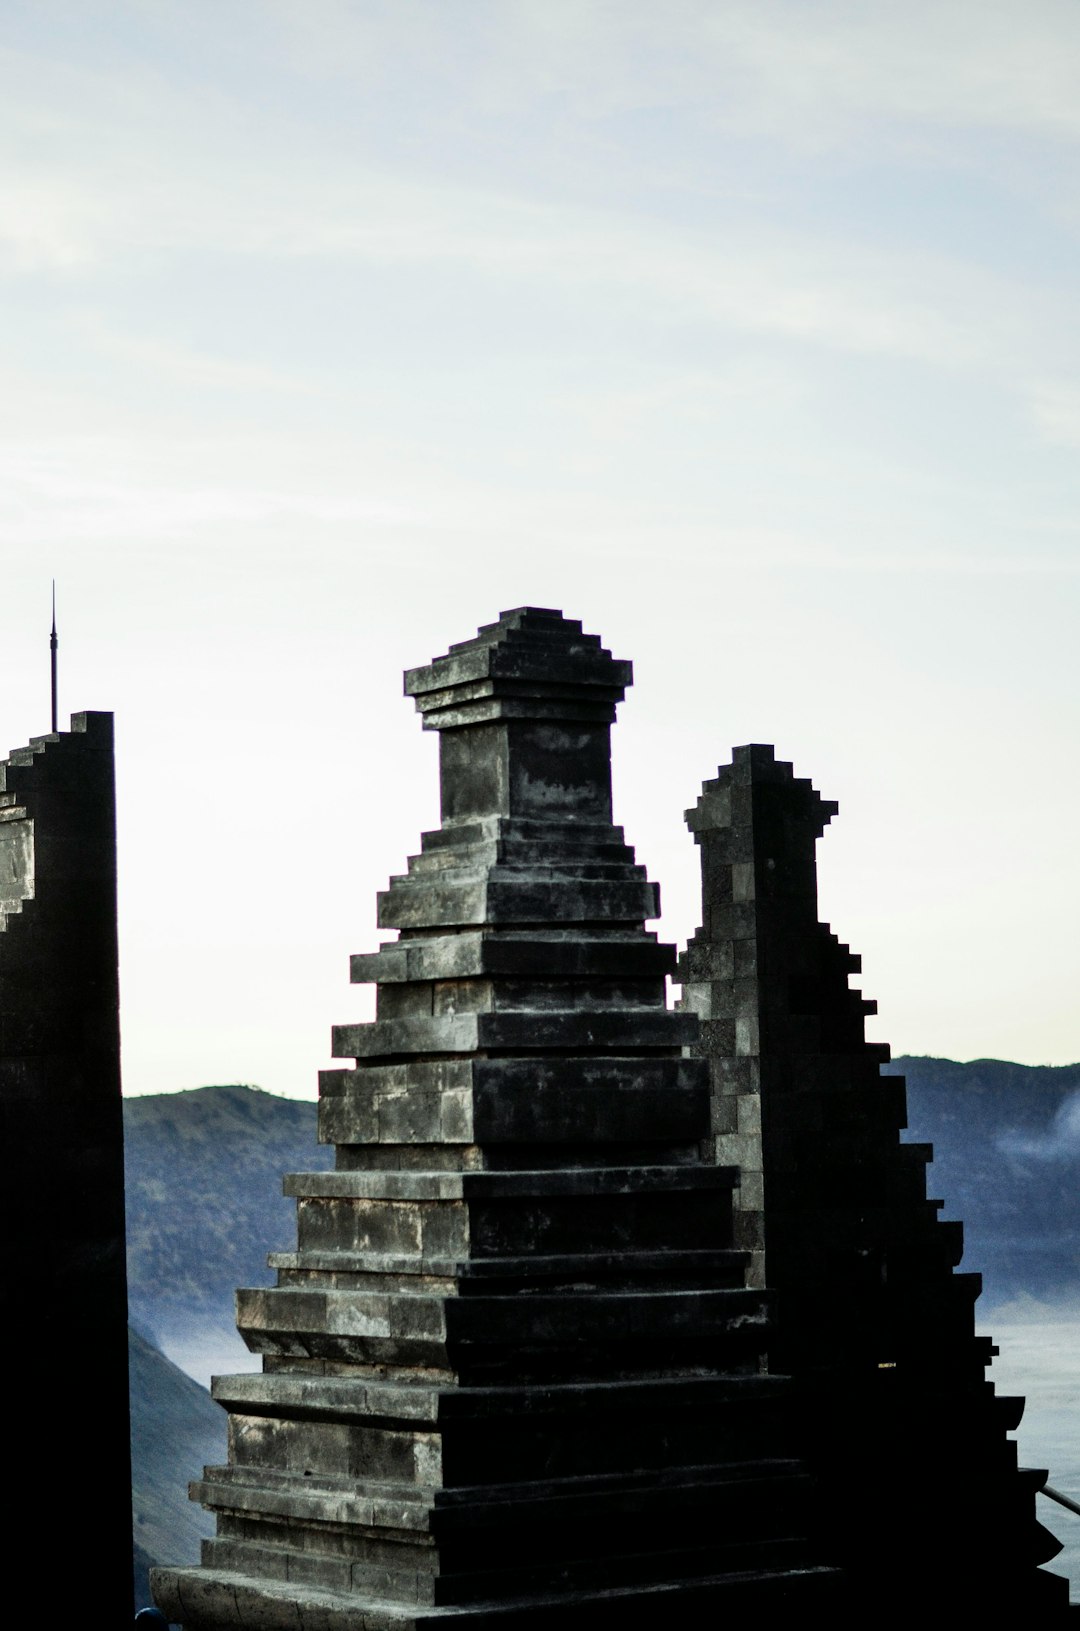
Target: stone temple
column 608, row 1309
column 61, row 1145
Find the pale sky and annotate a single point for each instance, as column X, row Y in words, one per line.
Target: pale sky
column 744, row 331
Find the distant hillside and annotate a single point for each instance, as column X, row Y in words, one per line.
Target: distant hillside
column 1007, row 1162
column 176, row 1430
column 204, row 1203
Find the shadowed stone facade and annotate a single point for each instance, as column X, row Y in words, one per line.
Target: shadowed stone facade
column 512, row 1373
column 61, row 1137
column 907, row 1439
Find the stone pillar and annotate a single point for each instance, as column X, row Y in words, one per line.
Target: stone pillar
column 907, row 1438
column 511, row 1374
column 62, row 1196
column 756, row 828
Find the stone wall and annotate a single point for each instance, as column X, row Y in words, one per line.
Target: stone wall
column 906, row 1437
column 61, row 1147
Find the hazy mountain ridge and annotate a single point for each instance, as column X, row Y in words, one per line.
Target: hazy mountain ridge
column 205, row 1206
column 176, row 1430
column 204, row 1201
column 1006, row 1143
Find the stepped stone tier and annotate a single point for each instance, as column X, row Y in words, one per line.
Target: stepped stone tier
column 908, row 1442
column 61, row 1145
column 512, row 1374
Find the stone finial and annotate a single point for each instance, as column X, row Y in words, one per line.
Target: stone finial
column 757, row 825
column 524, row 710
column 532, row 664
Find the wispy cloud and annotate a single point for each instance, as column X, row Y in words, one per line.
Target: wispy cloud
column 88, row 488
column 952, row 64
column 1055, row 408
column 799, row 285
column 130, row 167
column 810, row 74
column 183, row 364
column 1060, row 1142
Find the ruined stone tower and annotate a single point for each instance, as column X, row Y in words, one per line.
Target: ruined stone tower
column 61, row 1138
column 512, row 1374
column 907, row 1440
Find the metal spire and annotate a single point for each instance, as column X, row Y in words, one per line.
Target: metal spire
column 52, row 656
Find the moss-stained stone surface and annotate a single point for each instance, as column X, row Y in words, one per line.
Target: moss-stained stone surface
column 512, row 1373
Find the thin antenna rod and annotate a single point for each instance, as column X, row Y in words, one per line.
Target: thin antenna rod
column 52, row 656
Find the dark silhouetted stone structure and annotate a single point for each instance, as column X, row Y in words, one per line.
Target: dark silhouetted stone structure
column 512, row 1374
column 62, row 1196
column 921, row 1498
